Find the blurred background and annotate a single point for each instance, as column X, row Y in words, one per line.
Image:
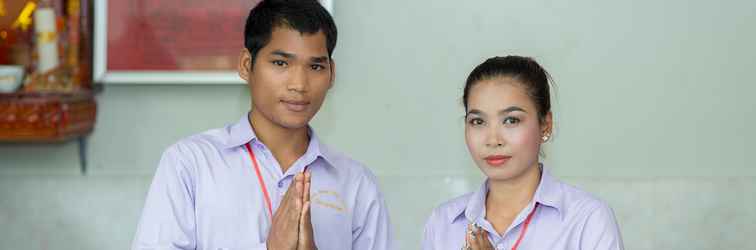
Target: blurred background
column 653, row 104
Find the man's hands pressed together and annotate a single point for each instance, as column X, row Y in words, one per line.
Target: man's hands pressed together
column 291, row 228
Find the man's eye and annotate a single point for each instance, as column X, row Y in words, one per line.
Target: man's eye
column 279, row 63
column 317, row 67
column 511, row 120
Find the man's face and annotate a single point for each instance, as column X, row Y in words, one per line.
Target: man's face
column 289, row 78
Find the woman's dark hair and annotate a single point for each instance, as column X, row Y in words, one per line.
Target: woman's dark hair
column 524, row 70
column 306, row 16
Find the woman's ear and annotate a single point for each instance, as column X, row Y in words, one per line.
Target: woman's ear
column 547, row 126
column 245, row 64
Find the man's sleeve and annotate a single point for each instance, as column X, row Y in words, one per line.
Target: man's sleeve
column 168, row 219
column 372, row 228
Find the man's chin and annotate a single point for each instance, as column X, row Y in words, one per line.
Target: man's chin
column 294, row 123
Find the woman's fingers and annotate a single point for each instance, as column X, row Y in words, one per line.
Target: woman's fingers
column 481, row 237
column 472, row 242
column 476, row 238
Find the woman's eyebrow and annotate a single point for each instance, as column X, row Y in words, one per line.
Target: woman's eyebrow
column 511, row 109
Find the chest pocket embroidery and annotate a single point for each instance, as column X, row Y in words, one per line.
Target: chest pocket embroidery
column 329, row 199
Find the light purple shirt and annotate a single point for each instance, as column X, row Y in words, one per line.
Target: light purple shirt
column 566, row 218
column 206, row 195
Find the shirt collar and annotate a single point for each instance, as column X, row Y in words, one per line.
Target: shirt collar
column 548, row 193
column 241, row 133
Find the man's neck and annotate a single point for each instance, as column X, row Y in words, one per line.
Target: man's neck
column 286, row 144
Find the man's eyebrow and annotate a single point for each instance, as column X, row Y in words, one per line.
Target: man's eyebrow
column 319, row 59
column 283, row 54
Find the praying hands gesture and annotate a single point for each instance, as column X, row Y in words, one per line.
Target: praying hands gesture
column 291, row 228
column 476, row 238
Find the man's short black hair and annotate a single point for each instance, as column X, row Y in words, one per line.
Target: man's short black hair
column 306, row 16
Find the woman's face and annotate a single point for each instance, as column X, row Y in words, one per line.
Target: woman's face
column 502, row 130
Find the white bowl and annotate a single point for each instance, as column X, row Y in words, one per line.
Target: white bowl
column 11, row 77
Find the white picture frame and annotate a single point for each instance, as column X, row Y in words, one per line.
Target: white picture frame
column 101, row 74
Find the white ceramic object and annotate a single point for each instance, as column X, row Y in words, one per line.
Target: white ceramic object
column 11, row 77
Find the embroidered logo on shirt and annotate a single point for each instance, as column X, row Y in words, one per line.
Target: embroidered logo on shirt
column 329, row 199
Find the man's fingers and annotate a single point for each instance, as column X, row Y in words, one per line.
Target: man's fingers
column 307, row 185
column 302, row 225
column 299, row 181
column 305, row 229
column 291, row 191
column 296, row 197
column 306, row 220
column 305, row 215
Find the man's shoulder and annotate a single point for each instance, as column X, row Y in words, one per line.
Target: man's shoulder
column 354, row 169
column 340, row 159
column 213, row 140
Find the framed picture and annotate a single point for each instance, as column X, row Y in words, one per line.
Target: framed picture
column 170, row 41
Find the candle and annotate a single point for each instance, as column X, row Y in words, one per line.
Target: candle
column 47, row 39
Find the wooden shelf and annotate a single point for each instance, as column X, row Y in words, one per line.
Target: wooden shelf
column 48, row 118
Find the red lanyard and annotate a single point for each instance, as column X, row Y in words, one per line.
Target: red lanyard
column 525, row 227
column 259, row 178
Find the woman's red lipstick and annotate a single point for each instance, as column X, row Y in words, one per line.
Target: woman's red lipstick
column 497, row 160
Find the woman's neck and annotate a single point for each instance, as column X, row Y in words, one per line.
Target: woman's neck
column 506, row 198
column 287, row 145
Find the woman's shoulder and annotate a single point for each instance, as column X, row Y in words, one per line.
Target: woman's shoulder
column 580, row 202
column 597, row 219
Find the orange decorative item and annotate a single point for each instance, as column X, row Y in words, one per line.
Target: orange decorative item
column 37, row 117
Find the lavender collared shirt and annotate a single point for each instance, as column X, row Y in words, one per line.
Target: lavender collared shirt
column 566, row 218
column 206, row 195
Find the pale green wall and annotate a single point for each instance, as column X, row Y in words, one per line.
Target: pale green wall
column 653, row 104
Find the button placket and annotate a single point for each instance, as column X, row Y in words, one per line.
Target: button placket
column 282, row 187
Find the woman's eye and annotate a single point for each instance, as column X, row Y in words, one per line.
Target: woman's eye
column 476, row 121
column 511, row 120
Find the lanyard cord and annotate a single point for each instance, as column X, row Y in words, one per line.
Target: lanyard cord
column 260, row 179
column 525, row 227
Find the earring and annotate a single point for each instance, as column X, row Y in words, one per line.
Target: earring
column 545, row 137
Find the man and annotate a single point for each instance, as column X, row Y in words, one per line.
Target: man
column 267, row 181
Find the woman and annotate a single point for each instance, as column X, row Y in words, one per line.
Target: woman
column 520, row 205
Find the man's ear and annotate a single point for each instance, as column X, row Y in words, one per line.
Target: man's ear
column 245, row 64
column 333, row 72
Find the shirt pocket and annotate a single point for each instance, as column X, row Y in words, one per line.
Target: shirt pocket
column 331, row 220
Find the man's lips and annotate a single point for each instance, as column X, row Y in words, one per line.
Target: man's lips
column 497, row 160
column 295, row 105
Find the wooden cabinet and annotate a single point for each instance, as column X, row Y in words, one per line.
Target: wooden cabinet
column 39, row 117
